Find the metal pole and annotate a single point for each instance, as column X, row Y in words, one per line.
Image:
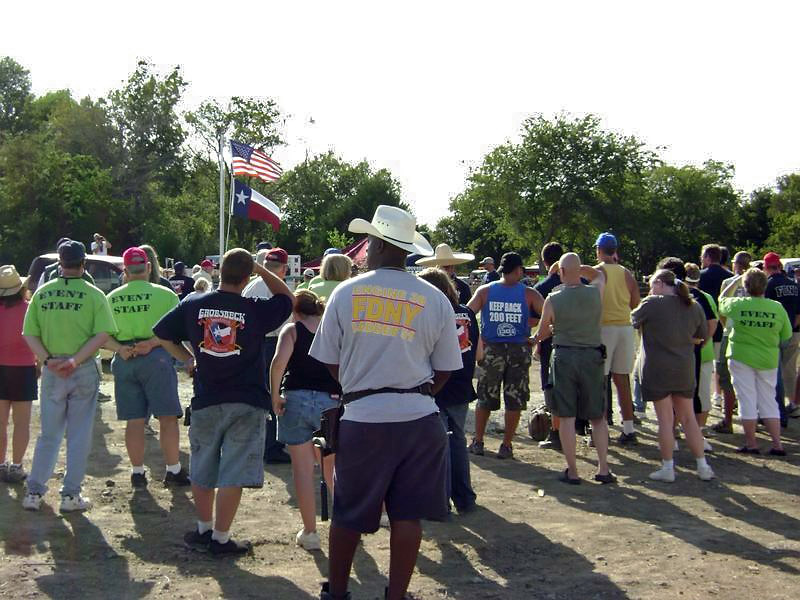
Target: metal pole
column 221, row 198
column 230, row 216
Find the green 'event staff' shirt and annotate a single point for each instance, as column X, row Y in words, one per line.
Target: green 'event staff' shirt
column 137, row 306
column 759, row 326
column 65, row 313
column 707, row 351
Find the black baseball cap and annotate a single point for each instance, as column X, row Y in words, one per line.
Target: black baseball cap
column 263, row 246
column 509, row 262
column 71, row 251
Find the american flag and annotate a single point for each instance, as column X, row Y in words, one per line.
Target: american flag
column 249, row 161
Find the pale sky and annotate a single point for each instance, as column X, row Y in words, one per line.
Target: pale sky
column 425, row 89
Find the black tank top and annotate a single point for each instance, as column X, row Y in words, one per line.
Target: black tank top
column 305, row 372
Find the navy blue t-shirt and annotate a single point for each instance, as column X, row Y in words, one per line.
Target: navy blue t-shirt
column 227, row 336
column 464, row 292
column 491, row 276
column 458, row 389
column 711, row 279
column 181, row 285
column 787, row 292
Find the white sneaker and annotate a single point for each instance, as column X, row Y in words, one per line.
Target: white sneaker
column 663, row 474
column 32, row 501
column 308, row 541
column 640, row 414
column 705, row 473
column 384, row 520
column 706, row 446
column 74, row 503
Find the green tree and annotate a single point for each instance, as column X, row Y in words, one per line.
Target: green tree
column 15, row 96
column 784, row 214
column 254, row 121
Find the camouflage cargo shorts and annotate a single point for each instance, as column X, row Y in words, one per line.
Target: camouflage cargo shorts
column 505, row 365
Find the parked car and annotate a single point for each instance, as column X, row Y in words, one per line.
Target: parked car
column 790, row 263
column 106, row 270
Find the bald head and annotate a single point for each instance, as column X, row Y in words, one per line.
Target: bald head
column 570, row 267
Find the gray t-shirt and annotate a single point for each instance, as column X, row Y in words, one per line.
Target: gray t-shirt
column 387, row 328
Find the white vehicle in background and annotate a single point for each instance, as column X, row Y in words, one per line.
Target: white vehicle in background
column 790, row 263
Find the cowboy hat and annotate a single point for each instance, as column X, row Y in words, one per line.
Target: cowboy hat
column 396, row 226
column 10, row 281
column 445, row 257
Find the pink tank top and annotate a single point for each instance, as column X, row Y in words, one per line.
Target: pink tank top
column 14, row 352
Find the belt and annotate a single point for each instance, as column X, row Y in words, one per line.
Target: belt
column 426, row 389
column 132, row 342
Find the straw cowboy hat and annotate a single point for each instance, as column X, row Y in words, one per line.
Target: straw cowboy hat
column 10, row 281
column 445, row 257
column 396, row 226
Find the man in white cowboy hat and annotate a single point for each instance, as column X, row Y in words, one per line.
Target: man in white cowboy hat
column 388, row 337
column 447, row 260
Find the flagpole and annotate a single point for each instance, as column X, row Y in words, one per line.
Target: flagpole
column 221, row 199
column 230, row 215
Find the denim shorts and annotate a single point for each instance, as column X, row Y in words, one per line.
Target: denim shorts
column 146, row 386
column 227, row 442
column 301, row 419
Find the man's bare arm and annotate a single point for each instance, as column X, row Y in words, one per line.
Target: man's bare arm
column 633, row 289
column 546, row 323
column 478, row 299
column 439, row 379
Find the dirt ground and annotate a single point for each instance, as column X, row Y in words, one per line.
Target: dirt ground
column 532, row 537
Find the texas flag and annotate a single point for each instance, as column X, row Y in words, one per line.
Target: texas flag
column 249, row 204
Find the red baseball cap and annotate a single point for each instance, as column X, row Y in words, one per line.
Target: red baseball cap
column 772, row 259
column 278, row 255
column 207, row 263
column 135, row 259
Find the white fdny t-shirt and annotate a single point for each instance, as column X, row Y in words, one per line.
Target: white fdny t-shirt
column 387, row 328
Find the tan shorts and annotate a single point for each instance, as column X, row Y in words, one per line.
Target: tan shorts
column 620, row 343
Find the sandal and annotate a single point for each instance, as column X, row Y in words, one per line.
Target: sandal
column 607, row 478
column 746, row 450
column 567, row 479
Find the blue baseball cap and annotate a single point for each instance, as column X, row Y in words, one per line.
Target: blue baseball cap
column 607, row 241
column 332, row 251
column 71, row 251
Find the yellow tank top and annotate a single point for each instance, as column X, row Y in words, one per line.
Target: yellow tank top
column 616, row 298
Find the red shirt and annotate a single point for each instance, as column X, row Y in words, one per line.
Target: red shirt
column 14, row 352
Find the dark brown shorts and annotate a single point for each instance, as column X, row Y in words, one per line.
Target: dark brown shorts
column 403, row 464
column 18, row 384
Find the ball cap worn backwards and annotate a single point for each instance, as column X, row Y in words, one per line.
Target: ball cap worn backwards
column 396, row 226
column 135, row 259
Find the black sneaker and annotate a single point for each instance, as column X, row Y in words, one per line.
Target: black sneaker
column 627, row 439
column 179, row 479
column 325, row 594
column 229, row 548
column 139, row 480
column 195, row 540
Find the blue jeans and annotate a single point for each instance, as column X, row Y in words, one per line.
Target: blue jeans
column 459, row 484
column 638, row 403
column 302, row 416
column 67, row 405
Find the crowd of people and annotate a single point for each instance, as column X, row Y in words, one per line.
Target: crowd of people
column 389, row 358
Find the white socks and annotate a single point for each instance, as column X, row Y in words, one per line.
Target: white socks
column 138, row 470
column 627, row 427
column 701, row 462
column 668, row 464
column 203, row 526
column 221, row 537
column 174, row 469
